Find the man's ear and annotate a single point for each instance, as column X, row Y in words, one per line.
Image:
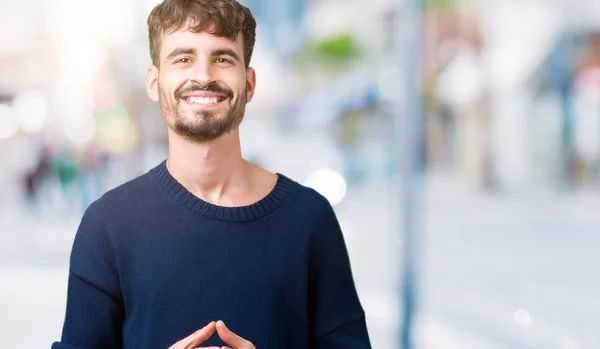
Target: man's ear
column 152, row 83
column 250, row 83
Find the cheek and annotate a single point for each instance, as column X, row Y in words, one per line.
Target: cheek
column 235, row 80
column 171, row 82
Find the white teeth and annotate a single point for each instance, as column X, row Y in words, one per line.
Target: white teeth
column 202, row 100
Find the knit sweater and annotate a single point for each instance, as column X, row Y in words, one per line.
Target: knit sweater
column 152, row 263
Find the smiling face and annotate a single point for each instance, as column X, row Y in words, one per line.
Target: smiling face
column 202, row 84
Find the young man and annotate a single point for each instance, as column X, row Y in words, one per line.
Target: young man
column 205, row 238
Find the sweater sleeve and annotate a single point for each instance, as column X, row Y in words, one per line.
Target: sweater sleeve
column 337, row 316
column 95, row 309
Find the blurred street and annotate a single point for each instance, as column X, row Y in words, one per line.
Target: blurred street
column 482, row 262
column 493, row 105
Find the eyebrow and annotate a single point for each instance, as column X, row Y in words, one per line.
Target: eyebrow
column 226, row 52
column 181, row 51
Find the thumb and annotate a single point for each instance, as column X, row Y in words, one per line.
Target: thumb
column 235, row 341
column 196, row 338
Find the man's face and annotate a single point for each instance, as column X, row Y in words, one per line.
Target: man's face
column 202, row 84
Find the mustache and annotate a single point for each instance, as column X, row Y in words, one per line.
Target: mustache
column 211, row 87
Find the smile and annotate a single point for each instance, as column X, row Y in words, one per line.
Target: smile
column 204, row 100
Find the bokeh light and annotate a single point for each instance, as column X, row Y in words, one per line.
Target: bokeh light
column 8, row 123
column 329, row 183
column 31, row 111
column 522, row 317
column 80, row 132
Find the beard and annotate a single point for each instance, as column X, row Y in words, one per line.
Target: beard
column 202, row 125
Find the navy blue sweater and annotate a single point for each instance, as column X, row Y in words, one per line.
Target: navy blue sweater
column 152, row 263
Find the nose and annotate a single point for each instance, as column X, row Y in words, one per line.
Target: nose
column 203, row 73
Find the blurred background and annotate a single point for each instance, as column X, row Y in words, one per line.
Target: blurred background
column 493, row 225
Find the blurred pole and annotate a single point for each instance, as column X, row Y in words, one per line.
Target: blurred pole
column 568, row 153
column 568, row 120
column 408, row 132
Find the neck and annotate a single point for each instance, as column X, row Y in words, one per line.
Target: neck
column 210, row 170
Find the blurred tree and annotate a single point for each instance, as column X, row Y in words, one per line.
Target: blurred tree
column 332, row 50
column 441, row 4
column 338, row 48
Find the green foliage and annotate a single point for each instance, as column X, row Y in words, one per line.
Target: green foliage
column 440, row 4
column 336, row 49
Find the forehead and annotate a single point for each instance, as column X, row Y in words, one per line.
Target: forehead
column 201, row 41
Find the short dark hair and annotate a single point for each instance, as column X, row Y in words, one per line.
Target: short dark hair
column 225, row 18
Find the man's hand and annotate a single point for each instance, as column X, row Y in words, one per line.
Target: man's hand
column 235, row 341
column 196, row 338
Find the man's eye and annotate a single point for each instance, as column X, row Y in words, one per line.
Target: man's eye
column 223, row 60
column 183, row 60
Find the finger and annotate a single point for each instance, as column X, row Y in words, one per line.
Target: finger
column 201, row 335
column 196, row 338
column 231, row 338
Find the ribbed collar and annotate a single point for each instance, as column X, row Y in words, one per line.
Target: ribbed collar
column 248, row 213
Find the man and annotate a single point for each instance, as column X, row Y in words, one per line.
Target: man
column 207, row 242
